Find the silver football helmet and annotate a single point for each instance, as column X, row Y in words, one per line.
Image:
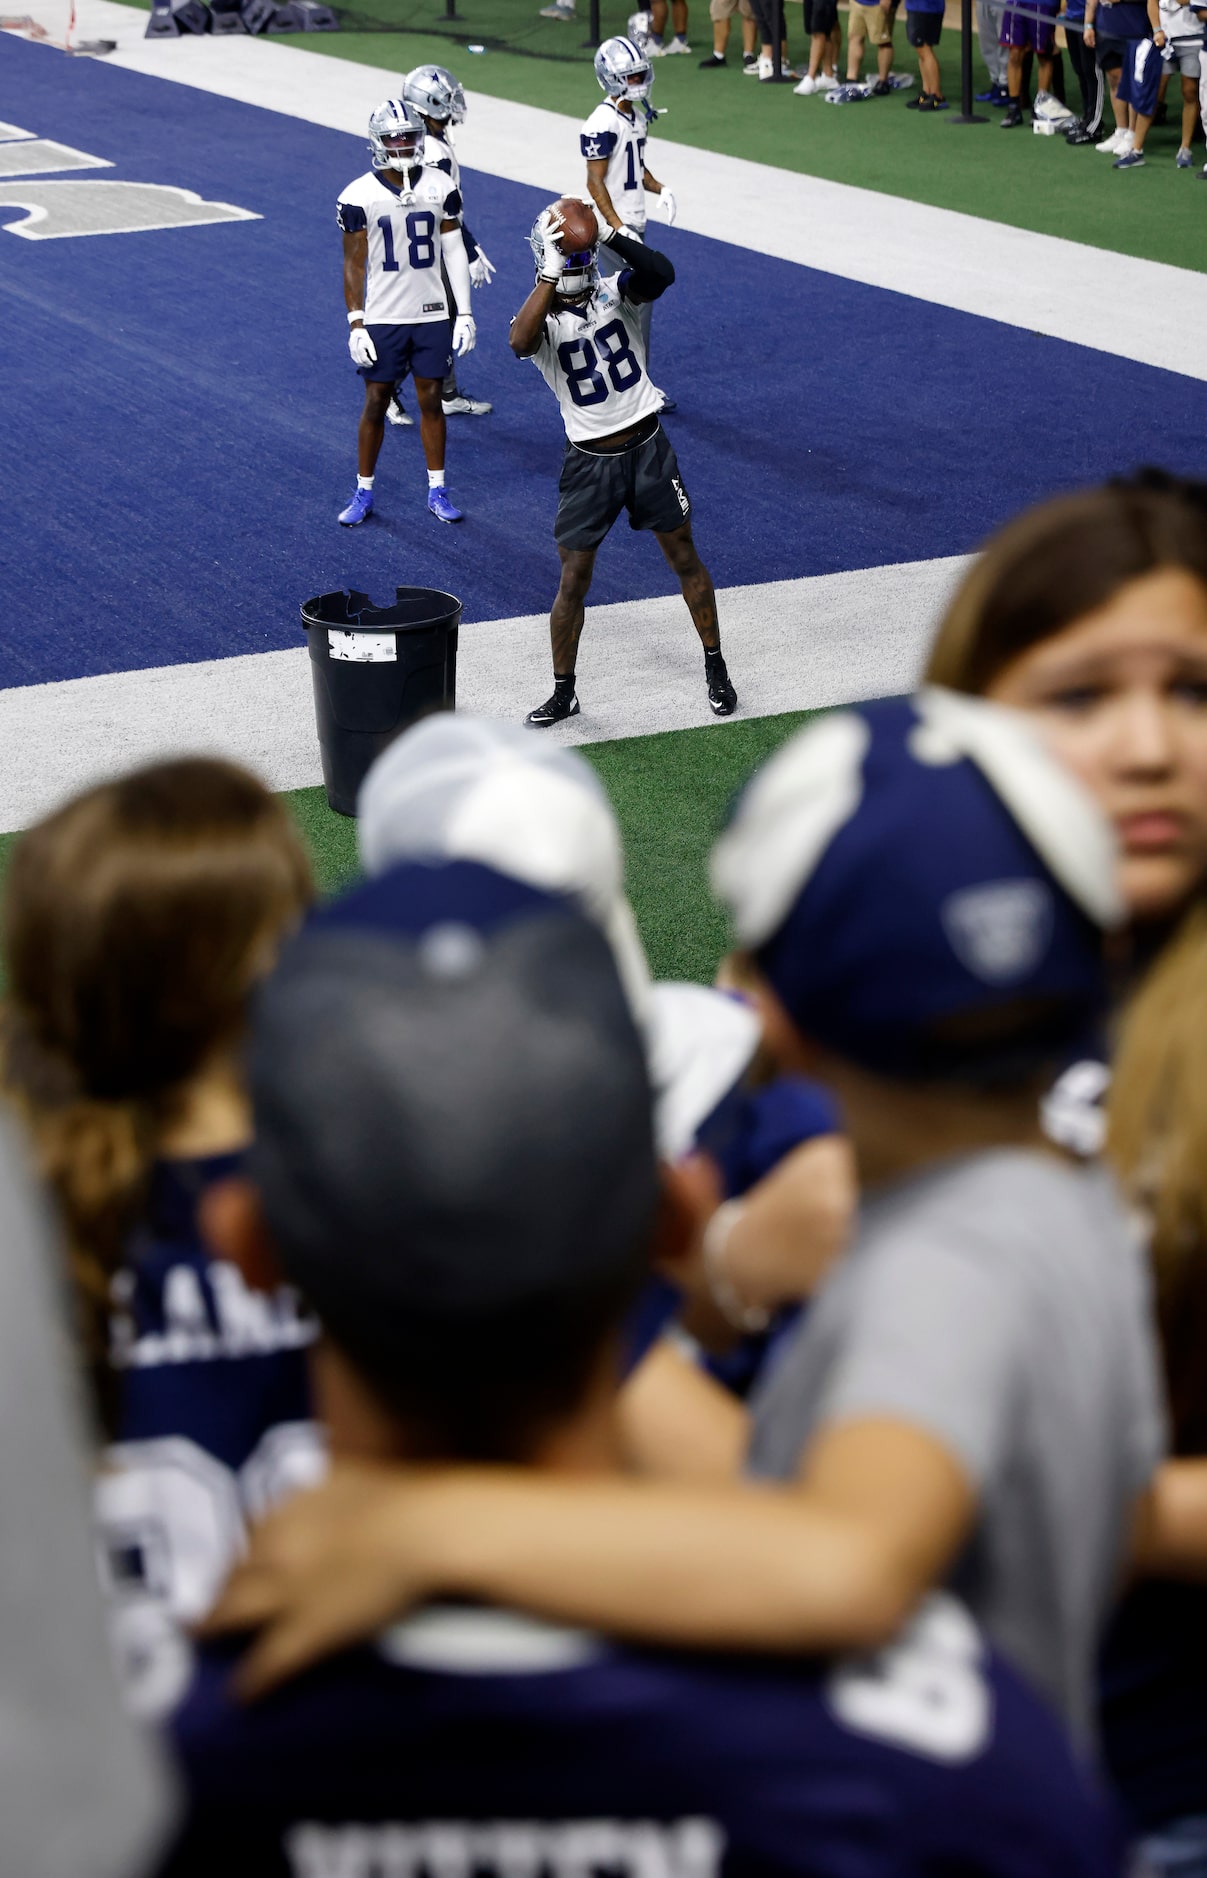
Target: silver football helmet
column 639, row 28
column 581, row 272
column 623, row 69
column 434, row 92
column 396, row 136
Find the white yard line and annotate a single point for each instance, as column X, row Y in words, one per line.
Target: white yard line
column 791, row 645
column 1133, row 309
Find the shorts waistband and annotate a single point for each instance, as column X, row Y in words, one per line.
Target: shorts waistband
column 648, row 427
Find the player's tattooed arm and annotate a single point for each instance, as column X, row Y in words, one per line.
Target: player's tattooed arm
column 597, row 189
column 356, row 257
column 528, row 325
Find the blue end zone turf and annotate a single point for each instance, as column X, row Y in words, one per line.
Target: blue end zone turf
column 179, row 410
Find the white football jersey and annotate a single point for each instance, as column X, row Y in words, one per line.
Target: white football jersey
column 592, row 357
column 438, row 154
column 404, row 285
column 610, row 132
column 1182, row 24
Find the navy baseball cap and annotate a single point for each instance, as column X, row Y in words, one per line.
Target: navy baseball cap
column 925, row 889
column 452, row 1106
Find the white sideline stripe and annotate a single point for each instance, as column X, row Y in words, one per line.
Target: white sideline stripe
column 1112, row 303
column 791, row 645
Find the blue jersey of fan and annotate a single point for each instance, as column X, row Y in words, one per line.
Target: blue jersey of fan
column 404, row 285
column 592, row 357
column 476, row 1744
column 611, row 134
column 213, row 1426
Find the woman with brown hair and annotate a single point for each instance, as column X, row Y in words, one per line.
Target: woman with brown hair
column 137, row 920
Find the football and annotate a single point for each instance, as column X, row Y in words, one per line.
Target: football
column 580, row 227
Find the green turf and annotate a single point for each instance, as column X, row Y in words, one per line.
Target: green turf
column 1026, row 181
column 670, row 793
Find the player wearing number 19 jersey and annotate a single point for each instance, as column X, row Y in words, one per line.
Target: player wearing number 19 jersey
column 399, row 221
column 584, row 335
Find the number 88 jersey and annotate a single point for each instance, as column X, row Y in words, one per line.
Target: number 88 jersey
column 404, row 284
column 593, row 359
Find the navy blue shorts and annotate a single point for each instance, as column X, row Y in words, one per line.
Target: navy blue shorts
column 425, row 350
column 923, row 29
column 1140, row 77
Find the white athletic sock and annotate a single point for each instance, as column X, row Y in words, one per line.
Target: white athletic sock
column 364, row 482
column 435, row 479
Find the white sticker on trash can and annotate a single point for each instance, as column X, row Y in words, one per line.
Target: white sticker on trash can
column 364, row 648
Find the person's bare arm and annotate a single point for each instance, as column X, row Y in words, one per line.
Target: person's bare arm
column 651, row 181
column 597, row 189
column 1170, row 1529
column 356, row 259
column 1091, row 7
column 836, row 1562
column 678, row 1423
column 529, row 322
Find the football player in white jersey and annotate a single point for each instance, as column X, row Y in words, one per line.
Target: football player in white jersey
column 583, row 333
column 613, row 141
column 399, row 220
column 440, row 101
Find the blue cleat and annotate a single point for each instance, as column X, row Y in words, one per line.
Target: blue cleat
column 1130, row 160
column 442, row 506
column 358, row 510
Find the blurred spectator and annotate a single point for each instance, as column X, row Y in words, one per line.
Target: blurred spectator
column 137, row 920
column 993, row 52
column 1122, row 36
column 825, row 40
column 656, row 45
column 871, row 25
column 935, row 1030
column 721, row 12
column 1184, row 30
column 1089, row 76
column 455, row 1162
column 82, row 1795
column 924, row 29
column 1022, row 34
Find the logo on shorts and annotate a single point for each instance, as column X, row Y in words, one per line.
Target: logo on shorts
column 681, row 492
column 433, row 306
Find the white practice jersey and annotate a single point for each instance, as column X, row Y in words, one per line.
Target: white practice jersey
column 610, row 132
column 403, row 282
column 438, row 154
column 593, row 359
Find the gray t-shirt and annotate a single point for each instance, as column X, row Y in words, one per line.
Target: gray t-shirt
column 1000, row 1302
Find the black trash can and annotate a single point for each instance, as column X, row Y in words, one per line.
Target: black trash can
column 375, row 670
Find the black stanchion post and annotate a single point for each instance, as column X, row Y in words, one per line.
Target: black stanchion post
column 450, row 10
column 966, row 115
column 594, row 31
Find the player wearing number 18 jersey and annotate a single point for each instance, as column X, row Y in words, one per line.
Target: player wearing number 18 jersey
column 584, row 336
column 399, row 221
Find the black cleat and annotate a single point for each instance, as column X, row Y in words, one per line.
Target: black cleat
column 722, row 698
column 1013, row 117
column 562, row 704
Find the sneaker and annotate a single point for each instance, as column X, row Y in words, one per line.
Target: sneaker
column 442, row 506
column 934, row 101
column 920, row 103
column 987, row 97
column 654, row 48
column 1203, row 174
column 713, row 63
column 1111, row 145
column 880, row 89
column 750, row 61
column 1078, row 135
column 764, row 69
column 358, row 510
column 398, row 415
column 1130, row 160
column 678, row 44
column 1013, row 117
column 556, row 12
column 1184, row 160
column 563, row 703
column 900, row 81
column 806, row 88
column 825, row 81
column 722, row 698
column 461, row 406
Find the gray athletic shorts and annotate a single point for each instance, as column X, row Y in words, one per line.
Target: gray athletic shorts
column 593, row 489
